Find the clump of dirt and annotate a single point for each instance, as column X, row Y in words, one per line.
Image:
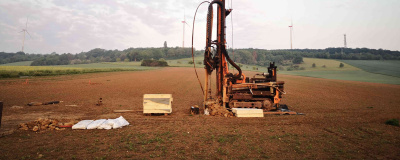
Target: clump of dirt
column 217, row 110
column 45, row 124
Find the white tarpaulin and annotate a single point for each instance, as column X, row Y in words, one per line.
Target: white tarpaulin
column 101, row 124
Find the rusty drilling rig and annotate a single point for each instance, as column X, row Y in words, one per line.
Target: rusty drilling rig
column 236, row 90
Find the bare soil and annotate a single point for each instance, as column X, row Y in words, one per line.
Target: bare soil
column 343, row 120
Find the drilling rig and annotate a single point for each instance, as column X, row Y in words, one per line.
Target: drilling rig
column 261, row 91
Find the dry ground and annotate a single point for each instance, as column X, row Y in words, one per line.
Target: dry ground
column 344, row 120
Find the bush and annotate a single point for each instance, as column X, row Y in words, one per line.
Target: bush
column 153, row 63
column 323, row 66
column 341, row 65
column 190, row 62
column 294, row 68
column 313, row 65
column 393, row 122
column 199, row 62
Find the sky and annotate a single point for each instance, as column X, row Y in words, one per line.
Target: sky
column 74, row 26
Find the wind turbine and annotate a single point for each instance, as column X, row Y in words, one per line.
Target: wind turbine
column 291, row 32
column 184, row 22
column 25, row 31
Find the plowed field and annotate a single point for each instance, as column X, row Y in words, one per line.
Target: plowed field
column 343, row 120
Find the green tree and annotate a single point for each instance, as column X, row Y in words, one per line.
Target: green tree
column 122, row 56
column 245, row 56
column 157, row 53
column 278, row 59
column 132, row 55
column 261, row 57
column 298, row 60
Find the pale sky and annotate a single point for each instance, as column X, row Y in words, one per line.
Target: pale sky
column 72, row 26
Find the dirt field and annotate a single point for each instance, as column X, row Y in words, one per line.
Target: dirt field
column 344, row 120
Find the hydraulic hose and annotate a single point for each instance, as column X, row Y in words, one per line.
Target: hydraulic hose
column 194, row 63
column 233, row 64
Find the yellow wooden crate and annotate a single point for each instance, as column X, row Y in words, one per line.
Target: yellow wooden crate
column 157, row 103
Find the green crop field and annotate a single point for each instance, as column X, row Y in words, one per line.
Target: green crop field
column 330, row 65
column 356, row 75
column 106, row 65
column 22, row 63
column 184, row 62
column 13, row 71
column 386, row 67
column 348, row 72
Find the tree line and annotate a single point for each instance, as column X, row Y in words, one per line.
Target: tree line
column 245, row 56
column 287, row 57
column 349, row 53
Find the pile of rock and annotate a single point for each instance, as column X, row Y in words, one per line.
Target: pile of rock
column 45, row 124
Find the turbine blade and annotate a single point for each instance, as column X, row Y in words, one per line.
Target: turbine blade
column 28, row 34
